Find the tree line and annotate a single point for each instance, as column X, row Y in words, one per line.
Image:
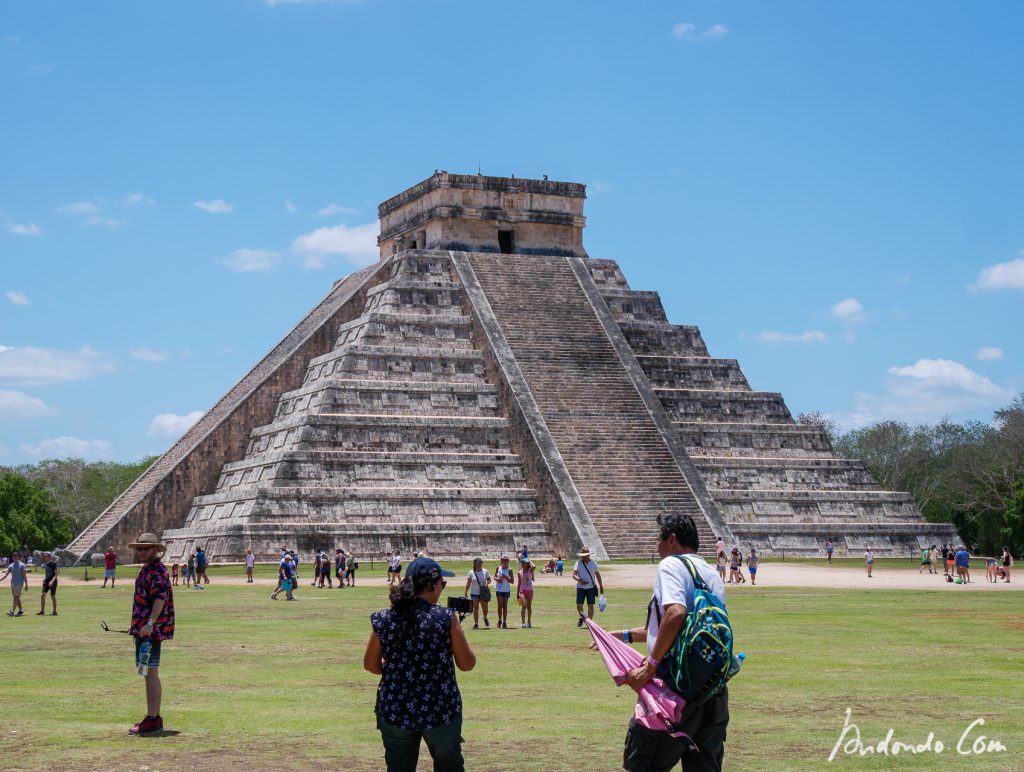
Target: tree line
column 45, row 505
column 970, row 474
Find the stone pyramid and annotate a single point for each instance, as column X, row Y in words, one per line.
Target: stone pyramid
column 487, row 385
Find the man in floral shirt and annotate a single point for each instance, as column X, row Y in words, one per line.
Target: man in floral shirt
column 153, row 620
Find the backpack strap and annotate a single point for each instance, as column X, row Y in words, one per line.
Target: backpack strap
column 697, row 582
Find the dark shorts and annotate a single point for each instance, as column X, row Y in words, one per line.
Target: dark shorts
column 154, row 655
column 588, row 596
column 503, row 594
column 50, row 586
column 402, row 746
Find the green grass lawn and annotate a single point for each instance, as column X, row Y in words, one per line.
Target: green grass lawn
column 254, row 684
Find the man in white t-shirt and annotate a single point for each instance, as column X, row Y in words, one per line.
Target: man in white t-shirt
column 588, row 584
column 706, row 724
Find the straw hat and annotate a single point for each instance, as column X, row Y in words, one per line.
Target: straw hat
column 148, row 540
column 584, row 553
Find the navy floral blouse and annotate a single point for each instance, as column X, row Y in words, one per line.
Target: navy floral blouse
column 417, row 688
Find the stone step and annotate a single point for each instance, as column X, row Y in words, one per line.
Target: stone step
column 441, row 298
column 745, row 438
column 328, row 431
column 380, row 327
column 418, row 363
column 340, row 395
column 669, row 373
column 607, row 274
column 362, row 469
column 660, row 338
column 445, row 540
column 696, row 405
column 785, row 473
column 634, row 305
column 815, row 506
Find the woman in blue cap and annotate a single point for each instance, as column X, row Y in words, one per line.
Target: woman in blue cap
column 414, row 647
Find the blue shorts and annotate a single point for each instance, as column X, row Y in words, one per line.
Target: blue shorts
column 503, row 594
column 588, row 595
column 753, row 570
column 108, row 573
column 154, row 654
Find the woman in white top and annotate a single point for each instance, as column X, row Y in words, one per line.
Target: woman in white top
column 250, row 561
column 504, row 578
column 476, row 587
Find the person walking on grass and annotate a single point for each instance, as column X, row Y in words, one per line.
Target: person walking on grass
column 190, row 570
column 588, row 584
column 325, row 572
column 19, row 583
column 201, row 566
column 152, row 620
column 415, row 647
column 525, row 583
column 721, row 564
column 503, row 581
column 734, row 567
column 109, row 567
column 250, row 563
column 933, row 559
column 701, row 745
column 174, row 574
column 829, row 549
column 51, row 568
column 869, row 560
column 287, row 579
column 351, row 565
column 477, row 581
column 752, row 563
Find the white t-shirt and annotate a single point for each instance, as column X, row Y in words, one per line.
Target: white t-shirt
column 250, row 560
column 501, row 579
column 587, row 573
column 475, row 578
column 674, row 584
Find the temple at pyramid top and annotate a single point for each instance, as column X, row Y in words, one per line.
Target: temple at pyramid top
column 476, row 213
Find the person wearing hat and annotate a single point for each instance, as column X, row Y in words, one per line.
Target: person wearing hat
column 152, row 618
column 476, row 587
column 109, row 567
column 588, row 584
column 525, row 581
column 415, row 647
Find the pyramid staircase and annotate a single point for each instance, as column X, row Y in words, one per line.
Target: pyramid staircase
column 393, row 440
column 778, row 483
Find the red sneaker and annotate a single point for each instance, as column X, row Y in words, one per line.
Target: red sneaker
column 148, row 725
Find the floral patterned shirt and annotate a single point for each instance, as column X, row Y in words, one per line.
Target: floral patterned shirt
column 417, row 688
column 153, row 584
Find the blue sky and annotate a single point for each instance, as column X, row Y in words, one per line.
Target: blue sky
column 831, row 191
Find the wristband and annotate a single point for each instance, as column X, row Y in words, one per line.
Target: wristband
column 653, row 661
column 626, row 636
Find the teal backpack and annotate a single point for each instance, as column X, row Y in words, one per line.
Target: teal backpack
column 700, row 661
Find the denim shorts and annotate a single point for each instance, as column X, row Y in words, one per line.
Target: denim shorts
column 588, row 595
column 154, row 655
column 503, row 594
column 109, row 573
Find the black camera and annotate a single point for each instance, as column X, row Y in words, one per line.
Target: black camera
column 460, row 605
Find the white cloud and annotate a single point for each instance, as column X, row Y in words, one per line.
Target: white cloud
column 1001, row 276
column 717, row 31
column 251, row 260
column 136, row 199
column 989, row 353
column 148, row 355
column 216, row 206
column 358, row 244
column 18, row 406
column 599, row 186
column 79, row 208
column 18, row 298
column 332, row 209
column 849, row 310
column 171, row 424
column 928, row 390
column 69, row 447
column 811, row 336
column 683, row 29
column 289, row 207
column 688, row 32
column 23, row 229
column 109, row 222
column 28, row 366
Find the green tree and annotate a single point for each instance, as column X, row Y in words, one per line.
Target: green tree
column 29, row 516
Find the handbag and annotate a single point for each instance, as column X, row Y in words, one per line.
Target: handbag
column 485, row 591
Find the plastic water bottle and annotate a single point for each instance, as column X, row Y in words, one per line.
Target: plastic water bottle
column 145, row 649
column 602, row 604
column 737, row 663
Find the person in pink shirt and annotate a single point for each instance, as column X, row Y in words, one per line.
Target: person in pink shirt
column 525, row 582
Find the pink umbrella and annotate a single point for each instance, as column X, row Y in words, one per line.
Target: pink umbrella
column 657, row 707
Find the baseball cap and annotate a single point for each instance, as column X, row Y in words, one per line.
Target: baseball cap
column 426, row 571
